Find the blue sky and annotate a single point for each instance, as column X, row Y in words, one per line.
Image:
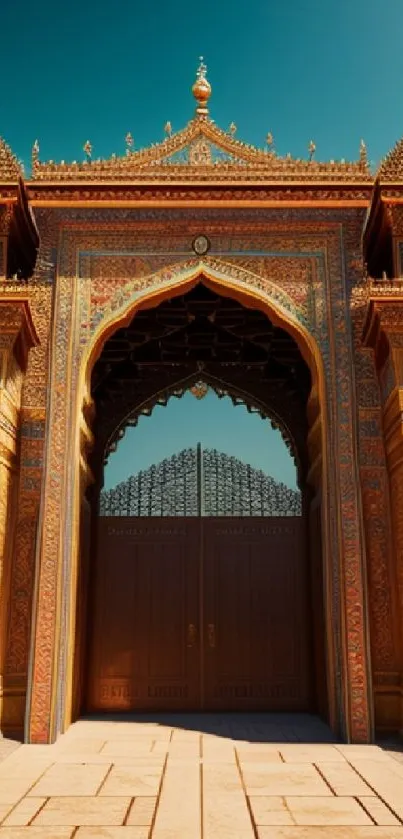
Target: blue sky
column 214, row 422
column 324, row 70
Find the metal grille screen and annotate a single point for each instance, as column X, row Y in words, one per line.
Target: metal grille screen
column 201, row 482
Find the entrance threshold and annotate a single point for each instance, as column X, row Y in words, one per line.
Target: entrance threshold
column 245, row 727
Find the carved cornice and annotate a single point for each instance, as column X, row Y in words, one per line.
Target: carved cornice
column 208, row 194
column 201, row 152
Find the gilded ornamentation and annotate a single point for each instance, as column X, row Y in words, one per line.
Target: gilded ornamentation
column 285, row 233
column 10, row 168
column 191, row 155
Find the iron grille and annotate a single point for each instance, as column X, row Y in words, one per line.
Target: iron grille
column 201, row 482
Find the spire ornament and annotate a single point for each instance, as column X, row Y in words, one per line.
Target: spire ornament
column 35, row 154
column 363, row 153
column 87, row 149
column 201, row 90
column 129, row 143
column 270, row 141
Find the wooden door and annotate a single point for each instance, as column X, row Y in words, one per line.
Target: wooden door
column 255, row 615
column 194, row 613
column 144, row 650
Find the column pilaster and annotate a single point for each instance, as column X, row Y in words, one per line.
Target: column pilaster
column 17, row 336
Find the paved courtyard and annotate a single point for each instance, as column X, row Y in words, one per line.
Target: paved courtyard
column 200, row 777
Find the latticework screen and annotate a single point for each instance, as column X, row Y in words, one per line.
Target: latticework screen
column 201, row 482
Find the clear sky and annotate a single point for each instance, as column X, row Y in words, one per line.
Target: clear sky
column 327, row 70
column 214, row 422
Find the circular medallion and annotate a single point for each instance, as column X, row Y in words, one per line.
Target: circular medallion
column 201, row 245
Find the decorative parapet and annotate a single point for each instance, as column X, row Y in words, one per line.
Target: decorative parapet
column 391, row 168
column 10, row 168
column 382, row 289
column 202, row 152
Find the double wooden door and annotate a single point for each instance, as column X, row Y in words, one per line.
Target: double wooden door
column 199, row 613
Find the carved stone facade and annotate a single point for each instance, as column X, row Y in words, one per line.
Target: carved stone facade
column 284, row 237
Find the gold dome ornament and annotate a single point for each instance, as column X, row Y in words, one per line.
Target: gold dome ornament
column 201, row 89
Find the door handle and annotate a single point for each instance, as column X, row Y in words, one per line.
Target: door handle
column 211, row 634
column 192, row 635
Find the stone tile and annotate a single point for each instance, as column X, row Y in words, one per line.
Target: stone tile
column 128, row 780
column 36, row 832
column 70, row 779
column 179, row 809
column 114, row 748
column 112, row 833
column 343, row 779
column 225, row 807
column 12, row 790
column 180, row 735
column 362, row 752
column 7, row 747
column 142, row 811
column 28, row 770
column 258, row 753
column 94, row 811
column 329, row 832
column 311, row 753
column 378, row 810
column 283, row 779
column 385, row 781
column 183, row 748
column 24, row 812
column 318, row 811
column 226, row 816
column 270, row 810
column 171, row 833
column 221, row 778
column 81, row 745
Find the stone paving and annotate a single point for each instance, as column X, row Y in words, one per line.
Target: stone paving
column 200, row 777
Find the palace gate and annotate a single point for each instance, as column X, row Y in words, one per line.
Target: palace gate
column 274, row 279
column 201, row 591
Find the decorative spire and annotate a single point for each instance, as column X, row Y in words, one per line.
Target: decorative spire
column 363, row 153
column 10, row 167
column 201, row 90
column 311, row 149
column 168, row 129
column 270, row 141
column 87, row 148
column 129, row 142
column 35, row 154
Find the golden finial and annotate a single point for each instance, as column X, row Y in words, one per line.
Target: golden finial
column 35, row 152
column 270, row 140
column 129, row 142
column 311, row 149
column 363, row 153
column 168, row 129
column 201, row 89
column 232, row 129
column 87, row 148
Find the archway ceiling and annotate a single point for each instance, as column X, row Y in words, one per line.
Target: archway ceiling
column 200, row 334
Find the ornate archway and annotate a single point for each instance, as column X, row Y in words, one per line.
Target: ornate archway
column 350, row 717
